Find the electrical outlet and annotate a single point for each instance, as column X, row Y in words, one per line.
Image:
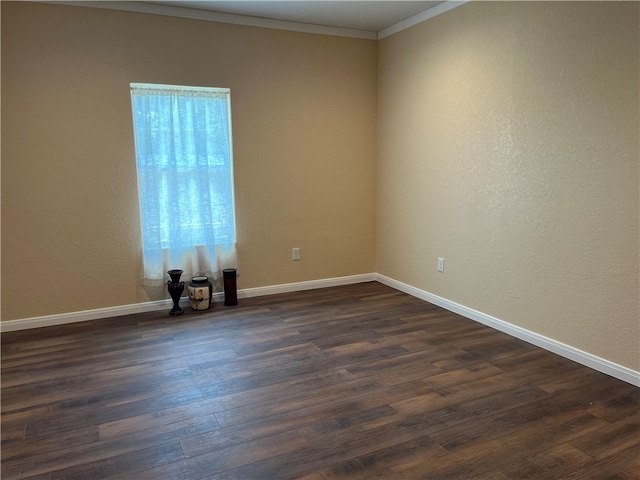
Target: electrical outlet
column 295, row 254
column 440, row 264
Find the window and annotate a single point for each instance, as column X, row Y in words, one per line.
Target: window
column 185, row 179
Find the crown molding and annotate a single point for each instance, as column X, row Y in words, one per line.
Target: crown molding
column 194, row 14
column 181, row 12
column 420, row 17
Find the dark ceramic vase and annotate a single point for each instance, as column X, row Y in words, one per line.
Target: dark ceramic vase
column 175, row 287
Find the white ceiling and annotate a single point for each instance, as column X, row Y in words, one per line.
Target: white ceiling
column 367, row 15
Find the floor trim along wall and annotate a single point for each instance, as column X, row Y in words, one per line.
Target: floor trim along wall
column 310, row 285
column 567, row 351
column 82, row 316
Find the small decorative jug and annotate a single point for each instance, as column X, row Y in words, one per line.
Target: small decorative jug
column 200, row 292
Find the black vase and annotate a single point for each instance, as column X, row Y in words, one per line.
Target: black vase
column 175, row 287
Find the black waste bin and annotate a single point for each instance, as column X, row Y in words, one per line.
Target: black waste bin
column 230, row 289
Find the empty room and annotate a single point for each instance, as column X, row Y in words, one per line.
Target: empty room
column 403, row 238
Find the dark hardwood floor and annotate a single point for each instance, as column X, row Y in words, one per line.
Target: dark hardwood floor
column 355, row 382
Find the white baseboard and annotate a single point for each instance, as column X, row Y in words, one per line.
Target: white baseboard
column 83, row 316
column 567, row 351
column 592, row 361
column 310, row 285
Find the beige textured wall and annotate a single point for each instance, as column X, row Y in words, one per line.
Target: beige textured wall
column 508, row 144
column 304, row 136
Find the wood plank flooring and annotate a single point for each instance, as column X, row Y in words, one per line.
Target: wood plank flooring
column 354, row 382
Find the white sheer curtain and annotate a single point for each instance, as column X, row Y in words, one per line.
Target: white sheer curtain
column 185, row 180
